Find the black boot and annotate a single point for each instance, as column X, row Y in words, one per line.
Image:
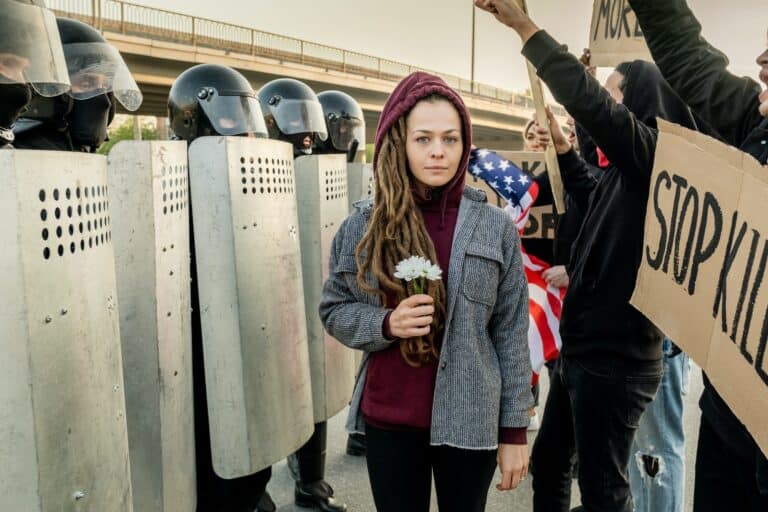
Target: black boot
column 312, row 491
column 356, row 445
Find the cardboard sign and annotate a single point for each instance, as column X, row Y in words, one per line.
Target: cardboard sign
column 541, row 223
column 558, row 191
column 615, row 35
column 702, row 278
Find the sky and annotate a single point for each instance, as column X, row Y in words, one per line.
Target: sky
column 437, row 34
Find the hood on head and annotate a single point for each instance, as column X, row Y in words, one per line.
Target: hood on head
column 412, row 89
column 649, row 96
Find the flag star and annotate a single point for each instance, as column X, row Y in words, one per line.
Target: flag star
column 488, row 166
column 508, row 180
column 508, row 189
column 504, row 165
column 523, row 179
column 494, row 184
column 476, row 170
column 483, row 153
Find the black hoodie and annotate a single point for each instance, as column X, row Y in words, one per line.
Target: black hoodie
column 597, row 317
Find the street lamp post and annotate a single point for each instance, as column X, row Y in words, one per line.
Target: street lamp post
column 472, row 70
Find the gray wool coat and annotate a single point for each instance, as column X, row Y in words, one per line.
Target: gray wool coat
column 484, row 376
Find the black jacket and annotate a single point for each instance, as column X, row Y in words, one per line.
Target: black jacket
column 597, row 317
column 567, row 225
column 42, row 136
column 697, row 72
column 727, row 103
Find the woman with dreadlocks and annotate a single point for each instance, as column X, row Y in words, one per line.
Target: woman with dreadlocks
column 443, row 386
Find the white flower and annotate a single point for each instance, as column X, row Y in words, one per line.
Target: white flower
column 433, row 273
column 417, row 267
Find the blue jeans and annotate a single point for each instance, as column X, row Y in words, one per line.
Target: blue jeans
column 657, row 468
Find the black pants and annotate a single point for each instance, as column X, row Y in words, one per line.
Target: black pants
column 554, row 450
column 535, row 392
column 604, row 398
column 727, row 474
column 400, row 468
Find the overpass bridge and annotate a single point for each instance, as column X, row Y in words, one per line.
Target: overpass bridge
column 158, row 45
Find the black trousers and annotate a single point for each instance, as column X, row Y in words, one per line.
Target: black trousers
column 401, row 465
column 727, row 475
column 554, row 449
column 604, row 399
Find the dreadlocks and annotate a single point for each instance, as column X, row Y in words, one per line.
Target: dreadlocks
column 397, row 231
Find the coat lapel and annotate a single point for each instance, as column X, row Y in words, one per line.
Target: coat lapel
column 469, row 214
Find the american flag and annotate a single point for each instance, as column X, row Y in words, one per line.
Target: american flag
column 508, row 180
column 545, row 301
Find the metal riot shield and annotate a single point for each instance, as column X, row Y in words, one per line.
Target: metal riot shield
column 360, row 183
column 150, row 220
column 323, row 205
column 62, row 408
column 246, row 234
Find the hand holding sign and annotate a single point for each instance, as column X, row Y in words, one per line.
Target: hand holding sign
column 511, row 14
column 559, row 138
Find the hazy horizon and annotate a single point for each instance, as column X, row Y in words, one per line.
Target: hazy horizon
column 436, row 34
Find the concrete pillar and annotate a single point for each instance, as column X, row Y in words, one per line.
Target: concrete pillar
column 136, row 128
column 162, row 128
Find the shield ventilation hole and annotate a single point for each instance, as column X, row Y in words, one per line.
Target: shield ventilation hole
column 74, row 219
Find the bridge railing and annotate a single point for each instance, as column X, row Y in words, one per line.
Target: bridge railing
column 139, row 20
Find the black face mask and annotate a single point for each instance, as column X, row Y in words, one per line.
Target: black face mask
column 297, row 139
column 89, row 120
column 14, row 98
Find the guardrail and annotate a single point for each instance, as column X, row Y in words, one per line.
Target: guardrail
column 139, row 20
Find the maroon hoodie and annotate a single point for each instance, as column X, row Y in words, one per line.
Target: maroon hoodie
column 396, row 395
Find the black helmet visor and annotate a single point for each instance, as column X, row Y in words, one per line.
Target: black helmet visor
column 232, row 115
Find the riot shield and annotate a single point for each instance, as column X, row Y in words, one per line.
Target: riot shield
column 150, row 219
column 360, row 182
column 251, row 301
column 62, row 408
column 321, row 186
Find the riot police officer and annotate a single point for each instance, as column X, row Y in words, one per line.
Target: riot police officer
column 293, row 113
column 208, row 100
column 31, row 59
column 78, row 120
column 345, row 123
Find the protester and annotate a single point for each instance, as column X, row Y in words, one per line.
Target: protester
column 657, row 470
column 444, row 382
column 609, row 349
column 541, row 248
column 731, row 470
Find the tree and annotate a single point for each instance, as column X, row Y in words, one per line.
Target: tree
column 124, row 131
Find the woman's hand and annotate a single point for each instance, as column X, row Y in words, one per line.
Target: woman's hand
column 510, row 14
column 513, row 464
column 412, row 317
column 556, row 276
